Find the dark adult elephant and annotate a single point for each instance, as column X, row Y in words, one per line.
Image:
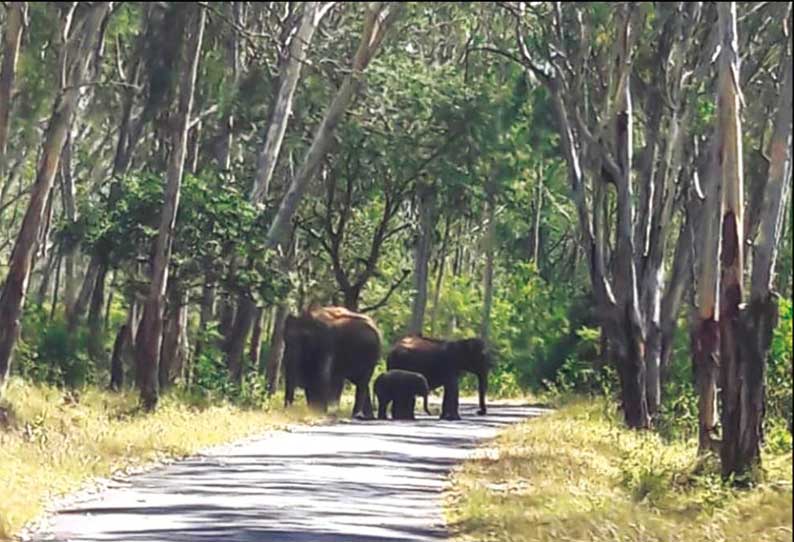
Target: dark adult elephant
column 441, row 363
column 323, row 347
column 400, row 389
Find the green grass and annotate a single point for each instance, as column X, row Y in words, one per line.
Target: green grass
column 52, row 442
column 577, row 475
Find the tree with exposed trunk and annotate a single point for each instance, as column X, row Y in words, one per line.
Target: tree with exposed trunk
column 425, row 200
column 82, row 25
column 150, row 331
column 746, row 332
column 637, row 307
column 16, row 15
column 379, row 18
column 489, row 241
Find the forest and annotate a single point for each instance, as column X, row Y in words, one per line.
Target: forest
column 597, row 193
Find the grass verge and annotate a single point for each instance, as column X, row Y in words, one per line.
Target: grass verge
column 577, row 475
column 52, row 442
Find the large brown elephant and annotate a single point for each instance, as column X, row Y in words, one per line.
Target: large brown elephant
column 323, row 347
column 441, row 363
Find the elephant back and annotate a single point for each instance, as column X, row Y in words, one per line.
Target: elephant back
column 345, row 323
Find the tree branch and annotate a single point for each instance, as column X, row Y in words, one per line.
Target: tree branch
column 392, row 289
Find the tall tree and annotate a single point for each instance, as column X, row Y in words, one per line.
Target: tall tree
column 150, row 332
column 81, row 26
column 737, row 410
column 379, row 18
column 313, row 12
column 747, row 331
column 424, row 243
column 16, row 14
column 490, row 248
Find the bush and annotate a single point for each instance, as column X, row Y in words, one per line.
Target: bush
column 210, row 373
column 50, row 353
column 779, row 376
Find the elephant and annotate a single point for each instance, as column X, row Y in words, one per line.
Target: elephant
column 441, row 363
column 323, row 347
column 400, row 388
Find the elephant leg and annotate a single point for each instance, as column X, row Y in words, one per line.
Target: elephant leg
column 289, row 391
column 366, row 408
column 362, row 410
column 357, row 404
column 449, row 409
column 316, row 400
column 397, row 409
column 403, row 409
column 337, row 387
column 411, row 408
column 383, row 405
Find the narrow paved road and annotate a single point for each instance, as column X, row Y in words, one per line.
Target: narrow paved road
column 350, row 482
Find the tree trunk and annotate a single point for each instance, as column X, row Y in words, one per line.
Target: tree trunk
column 313, row 13
column 255, row 349
column 124, row 344
column 147, row 347
column 627, row 328
column 55, row 289
column 53, row 262
column 276, row 352
column 442, row 261
column 756, row 325
column 129, row 134
column 380, row 16
column 116, row 364
column 68, row 194
column 536, row 226
column 16, row 15
column 79, row 48
column 490, row 242
column 95, row 327
column 81, row 304
column 173, row 352
column 705, row 335
column 235, row 339
column 741, row 414
column 421, row 259
column 352, row 297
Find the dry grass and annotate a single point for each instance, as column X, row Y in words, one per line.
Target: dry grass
column 52, row 443
column 576, row 475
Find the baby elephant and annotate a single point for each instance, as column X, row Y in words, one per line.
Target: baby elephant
column 400, row 388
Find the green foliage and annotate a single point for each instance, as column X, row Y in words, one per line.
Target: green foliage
column 52, row 354
column 779, row 372
column 210, row 374
column 216, row 225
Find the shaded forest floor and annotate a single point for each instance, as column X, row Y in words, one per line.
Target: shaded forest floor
column 578, row 475
column 53, row 442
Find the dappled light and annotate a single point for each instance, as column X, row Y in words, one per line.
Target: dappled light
column 352, row 243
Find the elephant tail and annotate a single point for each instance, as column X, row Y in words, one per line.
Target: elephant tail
column 427, row 410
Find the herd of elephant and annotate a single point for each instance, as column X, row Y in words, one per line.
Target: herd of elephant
column 326, row 346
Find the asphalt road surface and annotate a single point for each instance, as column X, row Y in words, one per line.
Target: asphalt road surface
column 349, row 482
